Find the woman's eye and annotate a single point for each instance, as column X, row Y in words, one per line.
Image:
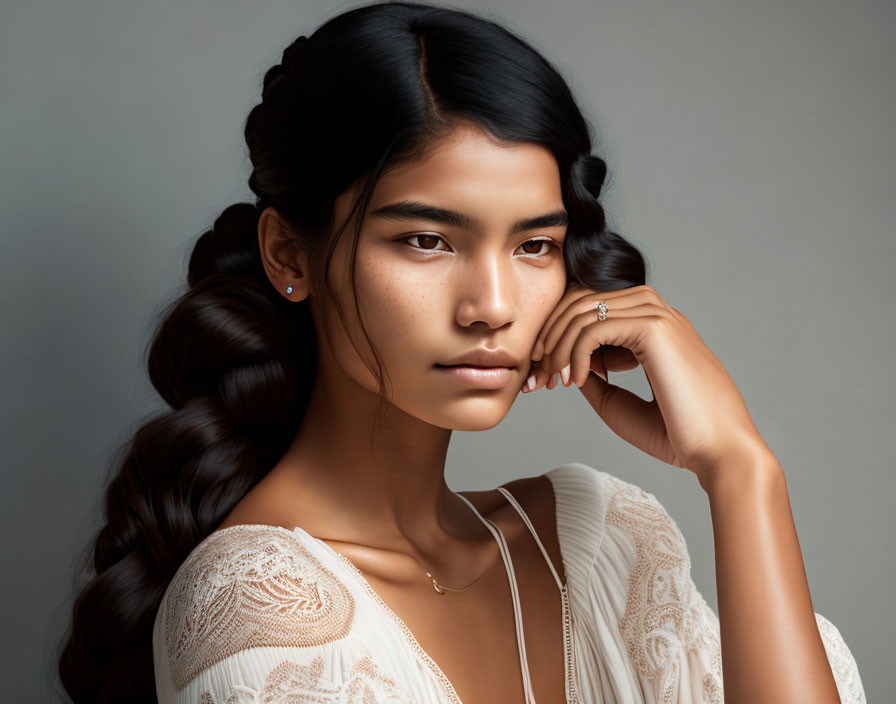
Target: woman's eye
column 549, row 243
column 430, row 240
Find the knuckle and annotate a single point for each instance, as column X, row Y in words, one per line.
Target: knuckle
column 658, row 322
column 654, row 296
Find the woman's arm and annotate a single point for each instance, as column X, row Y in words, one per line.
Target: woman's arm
column 698, row 420
column 771, row 647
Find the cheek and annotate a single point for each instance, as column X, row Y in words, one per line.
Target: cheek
column 407, row 312
column 403, row 320
column 401, row 311
column 540, row 301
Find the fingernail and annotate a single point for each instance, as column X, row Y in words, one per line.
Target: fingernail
column 564, row 374
column 530, row 382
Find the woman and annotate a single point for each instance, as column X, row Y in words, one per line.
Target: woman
column 286, row 534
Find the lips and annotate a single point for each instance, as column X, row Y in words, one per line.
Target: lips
column 483, row 358
column 478, row 377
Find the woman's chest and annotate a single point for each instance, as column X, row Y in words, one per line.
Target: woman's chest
column 472, row 643
column 468, row 639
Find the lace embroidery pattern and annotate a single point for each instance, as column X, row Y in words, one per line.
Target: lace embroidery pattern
column 441, row 677
column 665, row 615
column 291, row 683
column 572, row 686
column 248, row 586
column 708, row 637
column 569, row 650
column 843, row 665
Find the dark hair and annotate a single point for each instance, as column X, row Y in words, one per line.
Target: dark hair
column 368, row 90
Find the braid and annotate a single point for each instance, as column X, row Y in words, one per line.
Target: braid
column 233, row 358
column 230, row 247
column 278, row 74
column 590, row 170
column 596, row 257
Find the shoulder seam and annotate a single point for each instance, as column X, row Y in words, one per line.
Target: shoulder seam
column 264, row 589
column 599, row 477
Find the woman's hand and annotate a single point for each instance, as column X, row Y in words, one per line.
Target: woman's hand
column 697, row 416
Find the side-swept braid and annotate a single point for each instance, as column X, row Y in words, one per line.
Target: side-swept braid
column 233, row 358
column 597, row 257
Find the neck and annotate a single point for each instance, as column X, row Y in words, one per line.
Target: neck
column 380, row 484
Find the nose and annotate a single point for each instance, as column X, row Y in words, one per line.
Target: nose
column 488, row 293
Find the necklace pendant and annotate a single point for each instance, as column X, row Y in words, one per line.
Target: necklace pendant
column 435, row 584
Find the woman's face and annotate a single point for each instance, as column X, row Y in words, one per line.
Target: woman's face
column 433, row 287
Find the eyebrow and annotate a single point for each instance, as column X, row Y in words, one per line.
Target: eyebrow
column 415, row 210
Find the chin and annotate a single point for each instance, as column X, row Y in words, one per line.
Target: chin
column 472, row 414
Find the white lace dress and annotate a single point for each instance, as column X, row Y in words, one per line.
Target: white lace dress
column 262, row 614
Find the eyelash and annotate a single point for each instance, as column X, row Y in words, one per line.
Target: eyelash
column 551, row 242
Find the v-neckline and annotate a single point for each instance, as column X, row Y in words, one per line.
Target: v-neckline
column 569, row 674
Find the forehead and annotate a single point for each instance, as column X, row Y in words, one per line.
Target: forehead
column 467, row 170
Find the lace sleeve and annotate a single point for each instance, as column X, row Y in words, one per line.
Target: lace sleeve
column 671, row 634
column 252, row 616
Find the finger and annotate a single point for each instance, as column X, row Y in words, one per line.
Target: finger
column 615, row 300
column 586, row 356
column 618, row 359
column 635, row 420
column 622, row 330
column 541, row 377
column 605, row 359
column 568, row 299
column 597, row 364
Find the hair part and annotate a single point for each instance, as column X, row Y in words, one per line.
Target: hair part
column 369, row 90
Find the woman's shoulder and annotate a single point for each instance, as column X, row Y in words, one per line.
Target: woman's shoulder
column 595, row 508
column 585, row 493
column 246, row 586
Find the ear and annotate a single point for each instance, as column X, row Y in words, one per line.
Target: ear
column 284, row 256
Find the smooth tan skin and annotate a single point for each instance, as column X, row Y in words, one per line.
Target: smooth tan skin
column 387, row 507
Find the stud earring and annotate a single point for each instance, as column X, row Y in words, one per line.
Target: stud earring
column 289, row 289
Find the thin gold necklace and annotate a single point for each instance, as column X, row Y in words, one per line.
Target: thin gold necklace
column 441, row 588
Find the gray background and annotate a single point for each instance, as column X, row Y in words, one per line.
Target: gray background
column 751, row 156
